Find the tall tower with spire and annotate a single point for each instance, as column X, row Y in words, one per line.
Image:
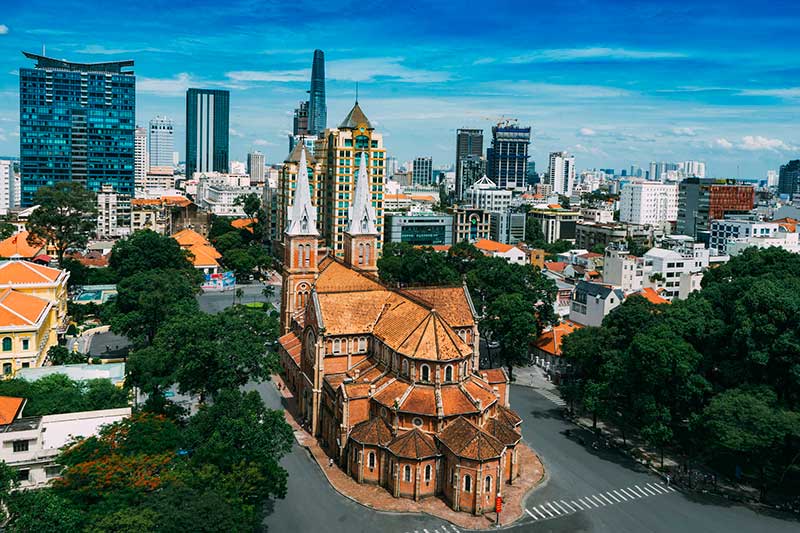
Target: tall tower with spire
column 300, row 262
column 361, row 235
column 317, row 108
column 342, row 151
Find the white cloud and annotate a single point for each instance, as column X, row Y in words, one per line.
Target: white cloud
column 302, row 75
column 757, row 142
column 263, row 142
column 3, row 29
column 557, row 55
column 371, row 68
column 96, row 49
column 787, row 93
column 581, row 149
column 175, row 86
column 586, row 132
column 723, row 143
column 684, row 132
column 235, row 133
column 555, row 90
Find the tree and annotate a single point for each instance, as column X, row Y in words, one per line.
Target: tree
column 241, row 262
column 145, row 300
column 65, row 218
column 533, row 231
column 43, row 511
column 145, row 251
column 251, row 204
column 61, row 355
column 402, row 263
column 6, row 229
column 512, row 323
column 78, row 272
column 57, row 393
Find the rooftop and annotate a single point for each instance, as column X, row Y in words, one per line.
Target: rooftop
column 113, row 67
column 355, row 117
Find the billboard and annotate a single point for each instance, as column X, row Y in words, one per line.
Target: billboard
column 219, row 282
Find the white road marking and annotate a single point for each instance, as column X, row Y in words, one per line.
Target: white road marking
column 532, row 515
column 657, row 488
column 455, row 528
column 600, row 495
column 613, row 497
column 620, row 495
column 640, row 490
column 576, row 505
column 598, row 499
column 540, row 513
column 546, row 510
column 568, row 505
column 588, row 500
column 631, row 493
column 554, row 509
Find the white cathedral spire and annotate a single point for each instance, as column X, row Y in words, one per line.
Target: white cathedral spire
column 362, row 214
column 303, row 214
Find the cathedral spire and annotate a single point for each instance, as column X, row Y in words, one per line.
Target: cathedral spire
column 362, row 214
column 303, row 214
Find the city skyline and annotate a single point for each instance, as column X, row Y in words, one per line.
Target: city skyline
column 620, row 84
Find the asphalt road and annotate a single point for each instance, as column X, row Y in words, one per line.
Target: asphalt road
column 586, row 490
column 214, row 302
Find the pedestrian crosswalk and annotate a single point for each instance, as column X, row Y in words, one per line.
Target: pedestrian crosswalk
column 558, row 508
column 445, row 528
column 552, row 396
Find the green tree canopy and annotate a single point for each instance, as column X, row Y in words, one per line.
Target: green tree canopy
column 65, row 218
column 57, row 393
column 145, row 251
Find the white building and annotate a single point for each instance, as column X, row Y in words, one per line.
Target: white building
column 255, row 167
column 162, row 142
column 512, row 254
column 218, row 193
column 780, row 239
column 156, row 179
column 9, row 187
column 772, row 178
column 692, row 169
column 732, row 229
column 648, row 203
column 600, row 215
column 561, row 173
column 484, row 194
column 113, row 213
column 591, row 302
column 30, row 445
column 141, row 159
column 238, row 167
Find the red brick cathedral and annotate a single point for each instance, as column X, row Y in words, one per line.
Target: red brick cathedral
column 388, row 379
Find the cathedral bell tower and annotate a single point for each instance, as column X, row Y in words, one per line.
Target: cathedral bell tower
column 361, row 235
column 300, row 263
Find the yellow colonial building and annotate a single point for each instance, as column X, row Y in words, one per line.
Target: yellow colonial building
column 44, row 282
column 28, row 328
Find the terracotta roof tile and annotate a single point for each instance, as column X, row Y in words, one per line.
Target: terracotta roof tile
column 479, row 391
column 10, row 408
column 502, row 432
column 25, row 272
column 420, row 401
column 390, row 393
column 17, row 246
column 456, row 402
column 652, row 296
column 20, row 309
column 336, row 277
column 555, row 266
column 292, row 345
column 351, row 312
column 492, row 246
column 494, row 375
column 374, row 431
column 550, row 341
column 509, row 417
column 413, row 444
column 189, row 237
column 433, row 339
column 450, row 302
column 467, row 440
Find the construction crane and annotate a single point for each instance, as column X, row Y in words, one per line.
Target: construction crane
column 502, row 120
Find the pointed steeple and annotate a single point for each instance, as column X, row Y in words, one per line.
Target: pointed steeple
column 303, row 214
column 362, row 214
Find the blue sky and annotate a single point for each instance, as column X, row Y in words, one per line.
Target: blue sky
column 615, row 82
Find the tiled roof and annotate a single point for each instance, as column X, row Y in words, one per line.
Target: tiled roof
column 413, row 444
column 292, row 345
column 19, row 309
column 355, row 117
column 555, row 266
column 421, row 401
column 652, row 296
column 550, row 341
column 391, row 392
column 494, row 375
column 506, row 415
column 374, row 431
column 204, row 255
column 336, row 277
column 244, row 223
column 189, row 237
column 467, row 440
column 10, row 408
column 455, row 401
column 350, row 312
column 17, row 246
column 432, row 339
column 480, row 391
column 492, row 246
column 24, row 272
column 502, row 432
column 590, row 255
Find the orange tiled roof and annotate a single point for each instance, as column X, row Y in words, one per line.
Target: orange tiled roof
column 431, row 339
column 555, row 266
column 179, row 201
column 292, row 345
column 413, row 444
column 141, row 202
column 492, row 246
column 204, row 255
column 502, row 432
column 336, row 277
column 19, row 309
column 25, row 272
column 467, row 440
column 421, row 400
column 10, row 408
column 396, row 197
column 373, row 431
column 451, row 302
column 507, row 416
column 494, row 375
column 652, row 296
column 478, row 390
column 244, row 223
column 189, row 237
column 456, row 401
column 554, row 206
column 550, row 341
column 17, row 246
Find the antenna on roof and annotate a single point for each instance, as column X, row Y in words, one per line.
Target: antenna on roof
column 43, row 50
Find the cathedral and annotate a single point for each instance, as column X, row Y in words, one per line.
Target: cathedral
column 388, row 379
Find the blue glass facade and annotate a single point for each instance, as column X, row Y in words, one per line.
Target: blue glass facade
column 317, row 108
column 207, row 130
column 76, row 124
column 507, row 163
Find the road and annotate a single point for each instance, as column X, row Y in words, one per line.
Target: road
column 214, row 302
column 586, row 490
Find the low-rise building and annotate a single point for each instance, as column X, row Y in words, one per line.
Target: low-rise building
column 28, row 328
column 780, row 239
column 547, row 348
column 470, row 225
column 420, row 228
column 510, row 253
column 734, row 228
column 113, row 372
column 17, row 247
column 507, row 227
column 648, row 203
column 41, row 281
column 203, row 255
column 591, row 234
column 556, row 222
column 591, row 302
column 220, row 193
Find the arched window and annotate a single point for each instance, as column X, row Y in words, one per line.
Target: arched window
column 7, row 344
column 428, row 470
column 361, row 253
column 407, row 473
column 467, row 483
column 337, row 346
column 405, row 367
column 371, row 460
column 307, row 256
column 367, row 253
column 6, row 368
column 448, row 373
column 487, row 485
column 425, row 373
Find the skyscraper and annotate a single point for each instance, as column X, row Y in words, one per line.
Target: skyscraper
column 470, row 169
column 141, row 164
column 255, row 166
column 162, row 142
column 317, row 108
column 789, row 178
column 508, row 156
column 701, row 200
column 561, row 173
column 422, row 173
column 207, row 116
column 6, row 186
column 468, row 143
column 76, row 124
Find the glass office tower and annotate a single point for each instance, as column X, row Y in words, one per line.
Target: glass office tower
column 76, row 124
column 207, row 116
column 317, row 108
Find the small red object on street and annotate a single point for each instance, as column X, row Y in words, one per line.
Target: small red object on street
column 498, row 504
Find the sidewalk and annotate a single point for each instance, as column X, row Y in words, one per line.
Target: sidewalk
column 378, row 498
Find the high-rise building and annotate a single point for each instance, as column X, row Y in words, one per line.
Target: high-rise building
column 6, row 186
column 508, row 156
column 692, row 169
column 76, row 124
column 701, row 200
column 300, row 119
column 113, row 213
column 561, row 173
column 161, row 141
column 789, row 178
column 207, row 121
column 340, row 151
column 317, row 108
column 471, row 168
column 255, row 167
column 469, row 143
column 422, row 172
column 647, row 202
column 659, row 170
column 141, row 159
column 772, row 178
